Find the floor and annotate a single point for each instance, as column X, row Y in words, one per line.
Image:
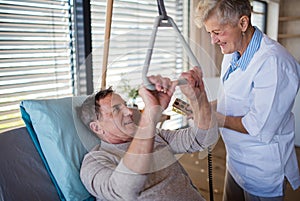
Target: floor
column 197, row 169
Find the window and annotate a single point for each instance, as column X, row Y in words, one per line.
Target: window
column 43, row 56
column 132, row 23
column 259, row 15
column 37, row 54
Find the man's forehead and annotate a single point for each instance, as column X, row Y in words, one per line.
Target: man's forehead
column 110, row 100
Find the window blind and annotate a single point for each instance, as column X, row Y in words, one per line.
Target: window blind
column 36, row 54
column 132, row 23
column 259, row 14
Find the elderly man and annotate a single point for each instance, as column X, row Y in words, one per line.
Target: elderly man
column 137, row 161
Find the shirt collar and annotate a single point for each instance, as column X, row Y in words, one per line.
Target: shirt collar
column 243, row 61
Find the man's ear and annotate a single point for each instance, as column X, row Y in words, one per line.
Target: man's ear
column 96, row 128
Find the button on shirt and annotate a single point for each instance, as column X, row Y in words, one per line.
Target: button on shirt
column 262, row 90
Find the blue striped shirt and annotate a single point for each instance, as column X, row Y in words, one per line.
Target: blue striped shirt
column 242, row 62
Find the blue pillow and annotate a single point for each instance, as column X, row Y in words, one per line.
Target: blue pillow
column 61, row 140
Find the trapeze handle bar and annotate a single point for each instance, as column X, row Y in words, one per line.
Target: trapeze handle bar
column 170, row 23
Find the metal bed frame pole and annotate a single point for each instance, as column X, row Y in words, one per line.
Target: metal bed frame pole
column 109, row 10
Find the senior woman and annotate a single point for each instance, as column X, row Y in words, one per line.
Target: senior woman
column 258, row 84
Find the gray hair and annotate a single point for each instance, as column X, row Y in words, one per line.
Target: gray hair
column 227, row 11
column 89, row 110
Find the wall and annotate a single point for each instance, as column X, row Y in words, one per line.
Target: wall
column 289, row 26
column 289, row 37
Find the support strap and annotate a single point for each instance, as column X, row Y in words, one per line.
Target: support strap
column 163, row 20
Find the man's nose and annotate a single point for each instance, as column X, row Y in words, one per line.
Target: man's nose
column 127, row 111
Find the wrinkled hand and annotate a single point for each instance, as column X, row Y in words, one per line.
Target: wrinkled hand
column 194, row 90
column 195, row 85
column 164, row 89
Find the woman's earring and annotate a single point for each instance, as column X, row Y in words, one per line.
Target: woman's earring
column 243, row 33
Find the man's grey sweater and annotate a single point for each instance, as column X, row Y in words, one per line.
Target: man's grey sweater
column 107, row 178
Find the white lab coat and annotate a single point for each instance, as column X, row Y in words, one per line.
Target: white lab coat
column 264, row 95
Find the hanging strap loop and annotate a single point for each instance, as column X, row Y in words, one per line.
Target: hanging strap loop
column 165, row 21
